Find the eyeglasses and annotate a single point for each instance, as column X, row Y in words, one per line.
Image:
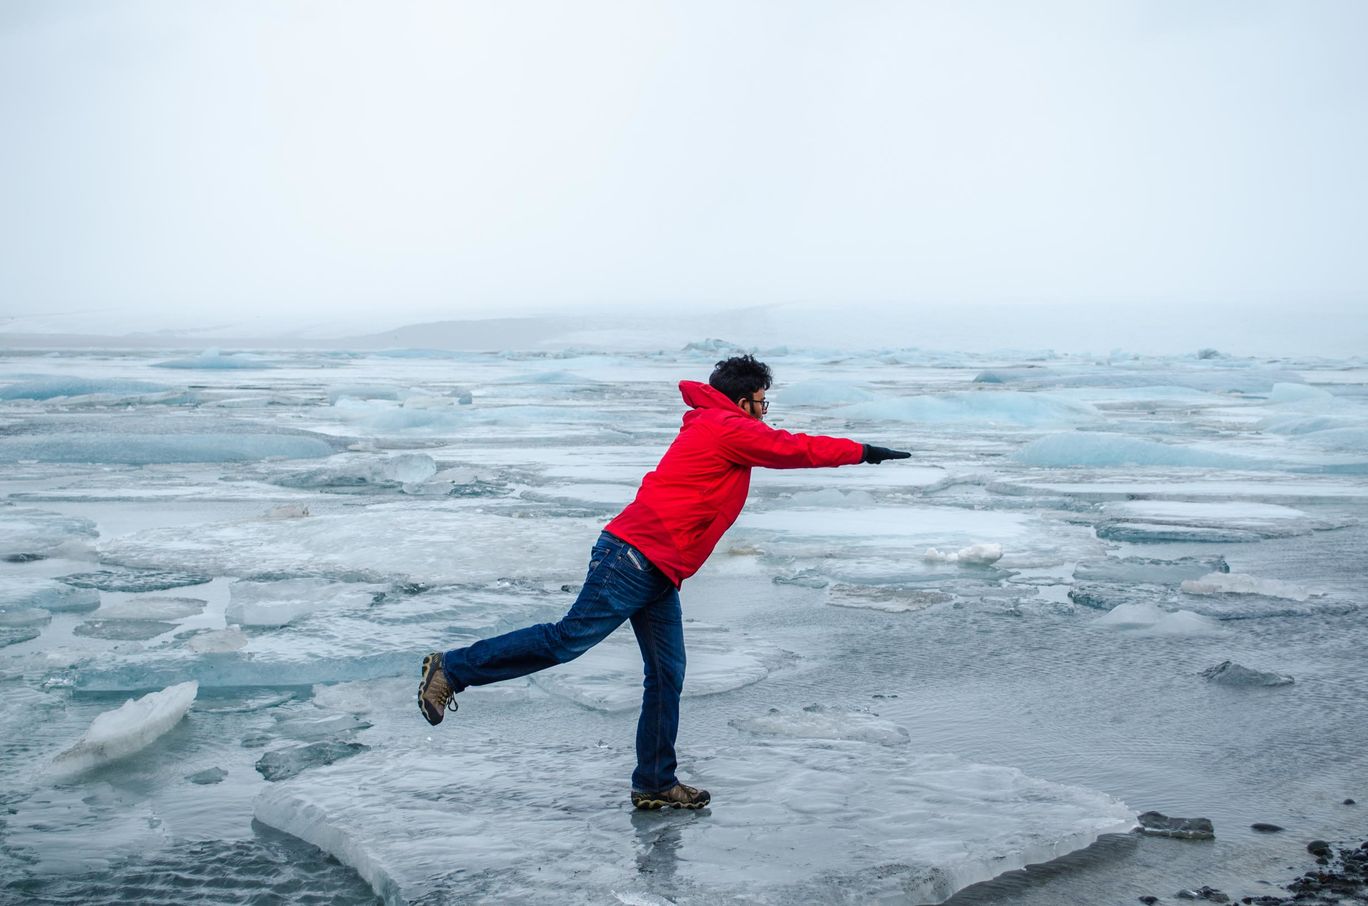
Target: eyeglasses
column 764, row 404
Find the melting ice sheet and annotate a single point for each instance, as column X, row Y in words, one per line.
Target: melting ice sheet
column 795, row 821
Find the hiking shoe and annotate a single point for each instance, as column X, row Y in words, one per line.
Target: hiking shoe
column 435, row 694
column 677, row 796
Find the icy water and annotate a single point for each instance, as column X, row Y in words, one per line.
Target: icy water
column 257, row 550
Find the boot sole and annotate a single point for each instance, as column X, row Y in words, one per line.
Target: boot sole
column 431, row 664
column 653, row 804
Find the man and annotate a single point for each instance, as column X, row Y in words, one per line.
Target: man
column 643, row 556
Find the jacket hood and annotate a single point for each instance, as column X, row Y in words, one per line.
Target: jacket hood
column 705, row 396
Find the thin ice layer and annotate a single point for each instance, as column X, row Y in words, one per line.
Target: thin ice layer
column 30, row 533
column 793, row 821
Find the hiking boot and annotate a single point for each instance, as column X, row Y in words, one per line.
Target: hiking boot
column 435, row 694
column 677, row 796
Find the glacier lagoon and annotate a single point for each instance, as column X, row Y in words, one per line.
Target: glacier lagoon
column 256, row 549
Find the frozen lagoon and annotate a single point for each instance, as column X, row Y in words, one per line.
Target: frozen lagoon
column 873, row 725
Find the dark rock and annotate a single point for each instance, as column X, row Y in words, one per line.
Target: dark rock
column 1160, row 825
column 1350, row 802
column 1318, row 848
column 1266, row 828
column 1210, row 894
column 1149, row 901
column 1228, row 673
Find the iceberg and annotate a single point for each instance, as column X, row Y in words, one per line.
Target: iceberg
column 803, row 819
column 127, row 729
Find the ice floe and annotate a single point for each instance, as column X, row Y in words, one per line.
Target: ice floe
column 20, row 593
column 822, row 722
column 27, row 533
column 1240, row 584
column 278, row 603
column 794, row 821
column 130, row 728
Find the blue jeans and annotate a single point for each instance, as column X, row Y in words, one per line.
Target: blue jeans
column 621, row 585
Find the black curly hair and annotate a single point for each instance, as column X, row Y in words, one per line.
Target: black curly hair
column 740, row 376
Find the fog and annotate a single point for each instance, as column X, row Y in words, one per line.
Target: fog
column 1072, row 175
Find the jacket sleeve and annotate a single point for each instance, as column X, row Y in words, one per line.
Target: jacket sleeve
column 749, row 442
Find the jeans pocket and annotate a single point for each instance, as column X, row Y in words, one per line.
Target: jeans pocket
column 636, row 559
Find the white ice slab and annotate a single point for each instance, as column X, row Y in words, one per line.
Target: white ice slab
column 34, row 532
column 821, row 722
column 791, row 821
column 130, row 728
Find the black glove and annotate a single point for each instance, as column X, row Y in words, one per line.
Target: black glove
column 877, row 455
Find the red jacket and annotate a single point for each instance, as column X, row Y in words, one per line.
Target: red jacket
column 683, row 508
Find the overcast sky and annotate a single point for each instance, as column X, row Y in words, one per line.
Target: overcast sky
column 302, row 162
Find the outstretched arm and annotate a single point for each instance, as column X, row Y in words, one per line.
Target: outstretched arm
column 753, row 443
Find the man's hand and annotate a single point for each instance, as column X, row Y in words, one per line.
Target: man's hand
column 877, row 455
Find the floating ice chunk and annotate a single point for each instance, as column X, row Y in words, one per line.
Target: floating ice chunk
column 1228, row 673
column 1240, row 584
column 207, row 776
column 1209, row 521
column 308, row 728
column 985, row 407
column 800, row 819
column 55, row 387
column 27, row 533
column 821, row 722
column 18, row 593
column 152, row 608
column 824, row 393
column 218, row 641
column 886, row 598
column 608, row 678
column 129, row 728
column 278, row 603
column 214, row 360
column 31, row 616
column 1148, row 571
column 1087, row 448
column 122, row 630
column 135, row 579
column 282, row 764
column 974, row 555
column 1150, row 619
